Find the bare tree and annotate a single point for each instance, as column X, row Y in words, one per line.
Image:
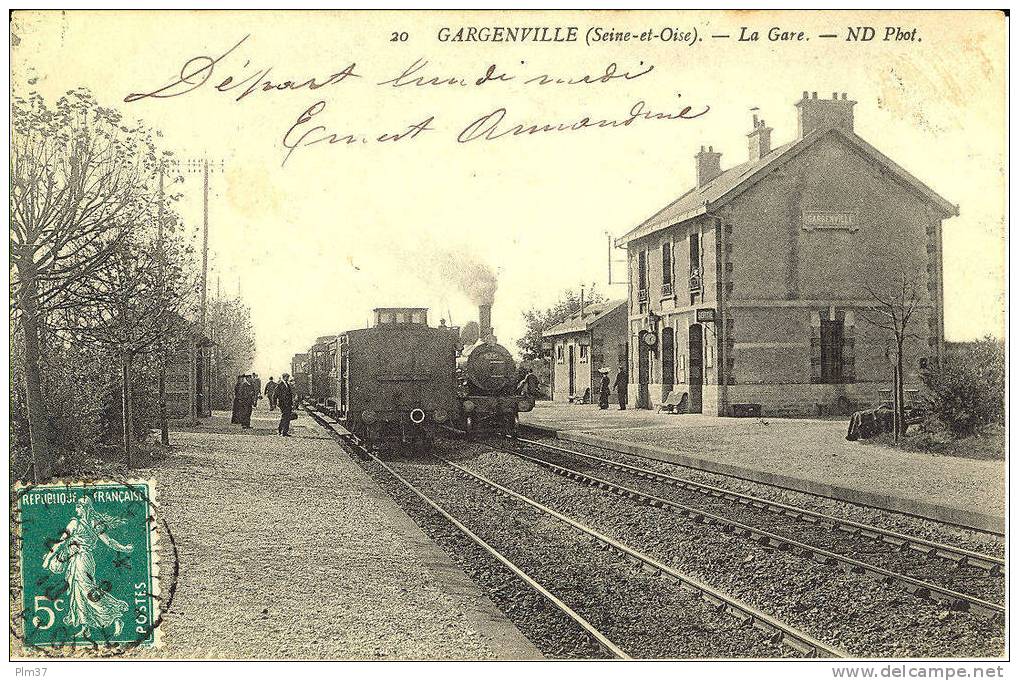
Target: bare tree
column 892, row 312
column 78, row 181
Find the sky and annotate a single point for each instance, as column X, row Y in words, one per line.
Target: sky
column 314, row 240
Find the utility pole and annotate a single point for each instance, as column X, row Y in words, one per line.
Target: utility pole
column 164, row 430
column 203, row 166
column 205, row 239
column 610, row 261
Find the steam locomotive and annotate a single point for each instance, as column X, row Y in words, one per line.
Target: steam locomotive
column 403, row 379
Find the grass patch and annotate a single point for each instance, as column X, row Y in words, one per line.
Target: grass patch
column 987, row 443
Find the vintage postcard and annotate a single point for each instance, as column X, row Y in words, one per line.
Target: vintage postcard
column 510, row 335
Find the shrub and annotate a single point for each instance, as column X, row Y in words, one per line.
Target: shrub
column 967, row 389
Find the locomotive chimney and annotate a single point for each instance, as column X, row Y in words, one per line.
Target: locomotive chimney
column 485, row 330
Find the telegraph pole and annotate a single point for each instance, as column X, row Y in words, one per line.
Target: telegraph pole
column 610, row 261
column 203, row 166
column 205, row 239
column 164, row 430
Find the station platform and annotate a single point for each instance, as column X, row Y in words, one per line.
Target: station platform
column 289, row 550
column 806, row 455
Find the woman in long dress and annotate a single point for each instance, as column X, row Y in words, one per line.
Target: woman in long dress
column 245, row 401
column 603, row 392
column 235, row 417
column 89, row 605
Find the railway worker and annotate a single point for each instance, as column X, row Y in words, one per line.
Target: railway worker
column 620, row 386
column 603, row 393
column 528, row 385
column 256, row 383
column 285, row 400
column 270, row 392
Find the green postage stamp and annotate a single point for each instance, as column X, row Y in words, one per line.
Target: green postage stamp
column 88, row 565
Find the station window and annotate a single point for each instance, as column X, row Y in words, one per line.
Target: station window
column 667, row 264
column 559, row 353
column 583, row 353
column 831, row 351
column 642, row 271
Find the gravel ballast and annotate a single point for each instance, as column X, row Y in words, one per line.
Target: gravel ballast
column 647, row 616
column 930, row 530
column 861, row 615
column 939, row 571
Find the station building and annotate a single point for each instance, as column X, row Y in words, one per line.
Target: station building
column 582, row 344
column 752, row 287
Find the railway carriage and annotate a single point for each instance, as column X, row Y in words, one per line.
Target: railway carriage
column 321, row 356
column 397, row 378
column 299, row 367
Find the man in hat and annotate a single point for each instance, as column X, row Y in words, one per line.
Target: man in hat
column 620, row 386
column 603, row 393
column 285, row 400
column 528, row 385
column 270, row 392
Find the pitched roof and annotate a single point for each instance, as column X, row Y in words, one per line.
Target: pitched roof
column 732, row 182
column 575, row 322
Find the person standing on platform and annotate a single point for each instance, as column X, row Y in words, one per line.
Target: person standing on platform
column 603, row 393
column 245, row 399
column 285, row 400
column 528, row 385
column 621, row 386
column 256, row 383
column 270, row 392
column 235, row 417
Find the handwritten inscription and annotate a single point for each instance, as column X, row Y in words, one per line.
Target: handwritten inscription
column 220, row 74
column 197, row 71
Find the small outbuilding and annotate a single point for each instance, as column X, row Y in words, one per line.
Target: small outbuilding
column 581, row 345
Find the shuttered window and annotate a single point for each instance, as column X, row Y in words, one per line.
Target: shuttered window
column 831, row 351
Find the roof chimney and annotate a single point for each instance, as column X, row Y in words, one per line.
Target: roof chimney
column 821, row 114
column 709, row 165
column 759, row 140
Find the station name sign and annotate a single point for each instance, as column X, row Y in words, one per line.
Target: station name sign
column 830, row 219
column 706, row 314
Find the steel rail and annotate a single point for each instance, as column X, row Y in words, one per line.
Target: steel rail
column 749, row 615
column 603, row 640
column 915, row 586
column 964, row 557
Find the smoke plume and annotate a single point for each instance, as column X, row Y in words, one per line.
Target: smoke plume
column 444, row 269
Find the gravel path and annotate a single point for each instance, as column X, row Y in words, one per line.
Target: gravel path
column 288, row 550
column 863, row 616
column 810, row 449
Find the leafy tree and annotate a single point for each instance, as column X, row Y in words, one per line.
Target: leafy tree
column 966, row 390
column 231, row 329
column 536, row 321
column 79, row 180
column 132, row 304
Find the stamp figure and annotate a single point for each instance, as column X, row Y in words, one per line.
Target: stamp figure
column 88, row 569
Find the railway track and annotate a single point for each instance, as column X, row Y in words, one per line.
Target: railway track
column 962, row 557
column 603, row 641
column 778, row 631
